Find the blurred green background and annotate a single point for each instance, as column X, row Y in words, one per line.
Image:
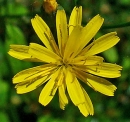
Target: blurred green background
column 15, row 28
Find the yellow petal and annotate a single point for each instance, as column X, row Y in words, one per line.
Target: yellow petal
column 102, row 69
column 105, row 70
column 33, row 73
column 74, row 89
column 104, row 87
column 47, row 93
column 49, row 90
column 44, row 33
column 83, row 60
column 62, row 86
column 87, row 107
column 104, row 73
column 103, row 43
column 101, row 85
column 83, row 109
column 72, row 44
column 85, row 50
column 62, row 32
column 75, row 18
column 98, row 84
column 32, row 84
column 88, row 103
column 42, row 30
column 111, row 66
column 43, row 53
column 21, row 52
column 88, row 32
column 62, row 97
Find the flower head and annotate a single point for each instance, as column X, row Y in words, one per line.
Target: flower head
column 64, row 64
column 50, row 6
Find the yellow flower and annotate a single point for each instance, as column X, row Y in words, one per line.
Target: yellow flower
column 50, row 6
column 64, row 64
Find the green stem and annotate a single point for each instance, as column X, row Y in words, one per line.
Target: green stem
column 117, row 26
column 76, row 2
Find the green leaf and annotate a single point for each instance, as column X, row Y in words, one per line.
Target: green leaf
column 4, row 117
column 46, row 118
column 2, row 10
column 124, row 2
column 126, row 63
column 4, row 88
column 121, row 25
column 15, row 36
column 19, row 9
column 111, row 55
column 3, row 61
